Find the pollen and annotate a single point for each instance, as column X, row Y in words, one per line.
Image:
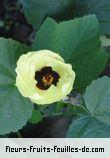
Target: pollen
column 47, row 79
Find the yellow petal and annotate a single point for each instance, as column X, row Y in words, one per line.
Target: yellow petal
column 31, row 62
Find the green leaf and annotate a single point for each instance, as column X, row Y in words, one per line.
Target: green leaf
column 99, row 7
column 97, row 99
column 96, row 122
column 10, row 51
column 15, row 110
column 80, row 47
column 88, row 127
column 36, row 10
column 36, row 117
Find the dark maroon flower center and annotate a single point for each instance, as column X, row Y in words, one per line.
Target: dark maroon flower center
column 46, row 77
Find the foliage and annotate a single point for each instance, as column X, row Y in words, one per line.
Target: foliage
column 36, row 10
column 68, row 28
column 99, row 7
column 78, row 46
column 96, row 122
column 14, row 109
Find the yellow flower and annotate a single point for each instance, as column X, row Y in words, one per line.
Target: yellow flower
column 44, row 77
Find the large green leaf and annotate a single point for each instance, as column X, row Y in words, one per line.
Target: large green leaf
column 36, row 10
column 96, row 123
column 97, row 99
column 10, row 51
column 14, row 109
column 80, row 47
column 88, row 127
column 99, row 7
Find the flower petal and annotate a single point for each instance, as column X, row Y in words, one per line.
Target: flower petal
column 30, row 69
